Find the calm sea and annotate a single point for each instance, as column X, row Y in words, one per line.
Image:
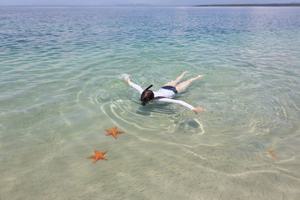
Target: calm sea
column 60, row 89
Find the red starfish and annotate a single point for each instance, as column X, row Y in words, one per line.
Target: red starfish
column 99, row 155
column 114, row 131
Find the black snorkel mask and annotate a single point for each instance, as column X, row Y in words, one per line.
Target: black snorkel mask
column 145, row 101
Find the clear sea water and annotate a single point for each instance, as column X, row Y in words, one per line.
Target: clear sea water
column 60, row 88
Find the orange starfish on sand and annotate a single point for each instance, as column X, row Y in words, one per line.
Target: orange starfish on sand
column 272, row 153
column 98, row 155
column 114, row 131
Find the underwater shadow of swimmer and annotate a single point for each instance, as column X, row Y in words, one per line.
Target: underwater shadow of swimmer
column 190, row 126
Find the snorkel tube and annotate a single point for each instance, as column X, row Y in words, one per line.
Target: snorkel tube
column 150, row 86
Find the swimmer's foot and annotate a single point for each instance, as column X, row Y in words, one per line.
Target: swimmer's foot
column 199, row 77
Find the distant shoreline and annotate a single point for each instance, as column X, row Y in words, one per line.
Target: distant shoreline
column 252, row 5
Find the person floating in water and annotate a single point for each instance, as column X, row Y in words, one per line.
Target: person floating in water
column 167, row 92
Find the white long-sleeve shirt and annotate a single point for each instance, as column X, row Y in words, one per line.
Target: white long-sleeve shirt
column 164, row 94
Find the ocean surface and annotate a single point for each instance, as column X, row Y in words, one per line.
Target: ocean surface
column 60, row 88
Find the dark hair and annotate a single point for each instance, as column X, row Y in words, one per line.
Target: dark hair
column 147, row 95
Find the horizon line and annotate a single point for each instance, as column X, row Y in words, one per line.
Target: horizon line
column 156, row 5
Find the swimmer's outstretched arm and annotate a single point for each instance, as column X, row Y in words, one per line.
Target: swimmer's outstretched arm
column 195, row 109
column 135, row 86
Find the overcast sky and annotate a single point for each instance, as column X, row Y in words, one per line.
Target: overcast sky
column 118, row 2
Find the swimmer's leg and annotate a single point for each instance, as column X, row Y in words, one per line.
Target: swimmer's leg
column 177, row 80
column 181, row 87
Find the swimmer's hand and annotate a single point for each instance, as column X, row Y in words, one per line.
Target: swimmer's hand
column 198, row 109
column 126, row 78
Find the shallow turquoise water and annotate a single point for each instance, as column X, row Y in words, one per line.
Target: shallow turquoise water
column 60, row 88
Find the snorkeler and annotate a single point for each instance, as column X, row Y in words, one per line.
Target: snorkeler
column 167, row 92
